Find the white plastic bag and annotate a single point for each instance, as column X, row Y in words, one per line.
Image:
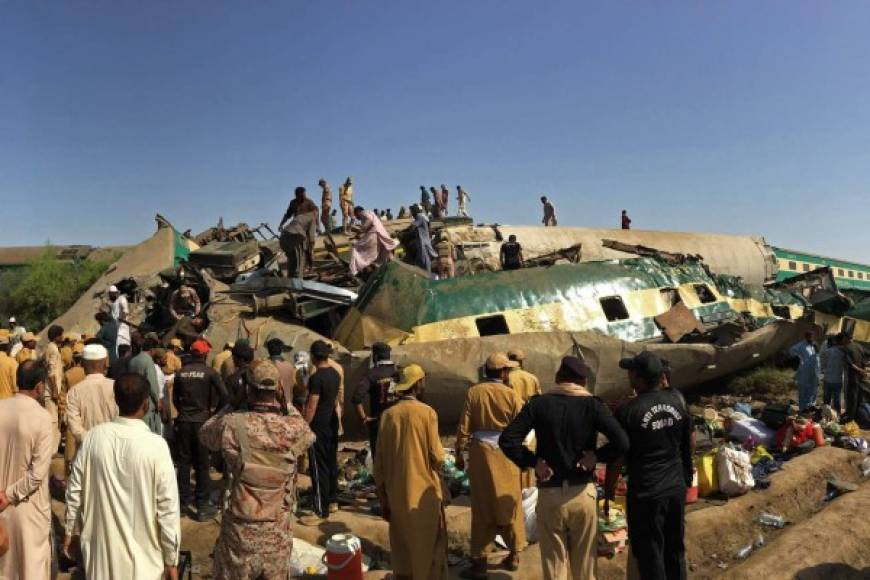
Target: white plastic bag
column 734, row 471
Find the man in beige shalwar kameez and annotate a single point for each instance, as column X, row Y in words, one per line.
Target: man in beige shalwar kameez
column 408, row 474
column 26, row 441
column 496, row 501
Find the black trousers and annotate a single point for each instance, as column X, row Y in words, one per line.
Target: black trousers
column 324, row 467
column 655, row 530
column 373, row 435
column 190, row 452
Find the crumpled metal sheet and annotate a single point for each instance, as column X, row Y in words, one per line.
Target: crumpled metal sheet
column 454, row 365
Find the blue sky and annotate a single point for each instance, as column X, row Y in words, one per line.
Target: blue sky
column 736, row 117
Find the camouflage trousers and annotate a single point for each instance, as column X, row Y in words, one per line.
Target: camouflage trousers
column 253, row 550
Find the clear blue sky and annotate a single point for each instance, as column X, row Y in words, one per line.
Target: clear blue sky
column 739, row 117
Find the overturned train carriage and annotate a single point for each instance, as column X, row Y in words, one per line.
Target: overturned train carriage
column 600, row 310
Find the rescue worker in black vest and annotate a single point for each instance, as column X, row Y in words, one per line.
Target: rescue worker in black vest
column 376, row 387
column 196, row 390
column 260, row 447
column 511, row 254
column 659, row 462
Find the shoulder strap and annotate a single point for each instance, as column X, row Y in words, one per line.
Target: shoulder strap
column 241, row 428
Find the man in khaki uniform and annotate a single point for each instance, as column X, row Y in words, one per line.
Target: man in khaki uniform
column 325, row 204
column 28, row 348
column 407, row 470
column 527, row 386
column 26, row 447
column 220, row 358
column 8, row 368
column 345, row 198
column 54, row 382
column 73, row 375
column 446, row 257
column 171, row 361
column 496, row 501
column 260, row 447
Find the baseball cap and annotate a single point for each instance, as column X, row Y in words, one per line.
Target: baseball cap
column 573, row 367
column 410, row 376
column 320, row 349
column 645, row 363
column 113, row 288
column 516, row 354
column 200, row 347
column 95, row 352
column 176, row 342
column 499, row 360
column 263, row 375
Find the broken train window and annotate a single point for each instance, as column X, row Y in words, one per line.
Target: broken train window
column 782, row 312
column 614, row 308
column 491, row 325
column 670, row 296
column 705, row 295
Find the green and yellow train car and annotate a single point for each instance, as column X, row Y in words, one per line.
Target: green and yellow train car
column 852, row 279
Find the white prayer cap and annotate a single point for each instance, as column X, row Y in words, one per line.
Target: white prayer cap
column 12, row 320
column 113, row 288
column 95, row 352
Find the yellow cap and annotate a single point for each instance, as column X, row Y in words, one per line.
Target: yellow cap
column 176, row 342
column 499, row 360
column 411, row 375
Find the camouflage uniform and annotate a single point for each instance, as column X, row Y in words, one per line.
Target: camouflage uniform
column 260, row 448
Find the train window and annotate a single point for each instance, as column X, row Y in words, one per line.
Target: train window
column 705, row 295
column 614, row 308
column 492, row 325
column 841, row 273
column 860, row 275
column 806, row 267
column 782, row 312
column 792, row 266
column 848, row 326
column 851, row 274
column 670, row 296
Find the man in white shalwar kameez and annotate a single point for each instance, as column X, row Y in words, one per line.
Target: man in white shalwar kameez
column 122, row 496
column 25, row 457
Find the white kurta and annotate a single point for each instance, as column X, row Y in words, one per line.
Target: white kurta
column 123, row 496
column 25, row 458
column 121, row 309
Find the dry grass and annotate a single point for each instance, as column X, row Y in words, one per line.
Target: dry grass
column 762, row 381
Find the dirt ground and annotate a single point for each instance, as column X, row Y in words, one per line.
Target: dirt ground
column 823, row 540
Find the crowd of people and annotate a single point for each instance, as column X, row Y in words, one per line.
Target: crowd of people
column 151, row 435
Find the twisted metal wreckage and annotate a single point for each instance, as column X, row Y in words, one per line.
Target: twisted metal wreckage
column 701, row 301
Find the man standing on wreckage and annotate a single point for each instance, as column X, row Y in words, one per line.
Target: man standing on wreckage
column 298, row 236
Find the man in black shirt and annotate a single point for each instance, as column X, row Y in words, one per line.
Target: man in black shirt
column 196, row 391
column 567, row 421
column 237, row 385
column 660, row 468
column 375, row 386
column 511, row 254
column 323, row 419
column 297, row 238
